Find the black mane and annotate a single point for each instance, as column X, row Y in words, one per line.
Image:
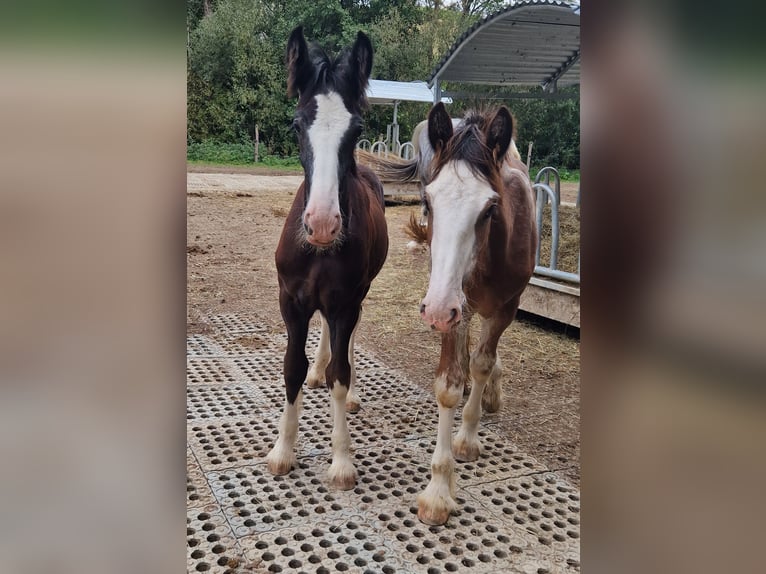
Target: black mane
column 332, row 73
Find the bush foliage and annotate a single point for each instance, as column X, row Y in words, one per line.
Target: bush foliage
column 236, row 74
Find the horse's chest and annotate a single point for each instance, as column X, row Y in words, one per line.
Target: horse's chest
column 320, row 280
column 485, row 295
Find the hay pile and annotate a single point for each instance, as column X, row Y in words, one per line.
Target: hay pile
column 569, row 238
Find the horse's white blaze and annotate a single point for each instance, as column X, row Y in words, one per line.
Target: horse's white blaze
column 325, row 134
column 457, row 198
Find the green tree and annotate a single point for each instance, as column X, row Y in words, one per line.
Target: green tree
column 234, row 61
column 236, row 74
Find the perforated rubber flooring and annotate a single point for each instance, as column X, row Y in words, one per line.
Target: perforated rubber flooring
column 514, row 514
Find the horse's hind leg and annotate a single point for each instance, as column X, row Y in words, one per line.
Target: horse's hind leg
column 492, row 399
column 281, row 458
column 341, row 473
column 487, row 387
column 352, row 399
column 316, row 377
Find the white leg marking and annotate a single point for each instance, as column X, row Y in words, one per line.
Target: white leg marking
column 352, row 400
column 437, row 501
column 341, row 473
column 282, row 457
column 316, row 375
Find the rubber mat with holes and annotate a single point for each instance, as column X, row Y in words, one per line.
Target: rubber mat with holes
column 514, row 514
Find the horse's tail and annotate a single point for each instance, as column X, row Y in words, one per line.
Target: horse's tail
column 391, row 170
column 513, row 151
column 416, row 231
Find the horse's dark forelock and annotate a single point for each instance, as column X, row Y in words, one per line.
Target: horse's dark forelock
column 334, row 74
column 468, row 144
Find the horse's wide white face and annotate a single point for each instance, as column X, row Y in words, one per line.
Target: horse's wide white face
column 460, row 203
column 322, row 218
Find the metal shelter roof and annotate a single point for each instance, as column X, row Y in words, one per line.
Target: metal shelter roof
column 529, row 43
column 389, row 92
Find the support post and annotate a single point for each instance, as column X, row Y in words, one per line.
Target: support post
column 257, row 142
column 437, row 91
column 529, row 155
column 395, row 130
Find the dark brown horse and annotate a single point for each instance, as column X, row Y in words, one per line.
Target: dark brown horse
column 334, row 241
column 482, row 237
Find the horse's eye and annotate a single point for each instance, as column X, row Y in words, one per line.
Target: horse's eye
column 297, row 126
column 490, row 211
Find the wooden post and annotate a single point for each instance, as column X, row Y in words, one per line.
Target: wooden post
column 529, row 154
column 257, row 141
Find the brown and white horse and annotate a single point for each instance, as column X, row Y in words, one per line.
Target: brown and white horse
column 333, row 243
column 482, row 236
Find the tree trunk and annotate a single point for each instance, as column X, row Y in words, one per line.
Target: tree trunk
column 207, row 9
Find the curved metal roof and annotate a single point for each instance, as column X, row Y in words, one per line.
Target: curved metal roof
column 530, row 43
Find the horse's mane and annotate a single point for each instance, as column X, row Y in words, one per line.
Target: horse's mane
column 468, row 144
column 398, row 170
column 330, row 72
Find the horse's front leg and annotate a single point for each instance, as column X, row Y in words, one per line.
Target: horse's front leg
column 341, row 473
column 487, row 387
column 281, row 458
column 437, row 501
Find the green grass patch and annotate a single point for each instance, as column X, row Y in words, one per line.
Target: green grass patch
column 215, row 153
column 569, row 175
column 260, row 166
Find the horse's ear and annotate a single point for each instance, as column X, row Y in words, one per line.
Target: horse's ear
column 361, row 61
column 298, row 63
column 499, row 133
column 439, row 126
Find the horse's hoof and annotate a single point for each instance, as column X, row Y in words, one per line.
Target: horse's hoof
column 492, row 401
column 433, row 515
column 465, row 451
column 353, row 406
column 315, row 382
column 434, row 509
column 342, row 477
column 279, row 465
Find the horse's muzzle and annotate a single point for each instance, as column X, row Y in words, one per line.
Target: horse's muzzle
column 440, row 318
column 321, row 230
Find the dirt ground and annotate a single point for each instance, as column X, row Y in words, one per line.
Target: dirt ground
column 232, row 231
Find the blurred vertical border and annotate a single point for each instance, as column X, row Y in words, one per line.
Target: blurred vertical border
column 92, row 222
column 674, row 286
column 92, row 207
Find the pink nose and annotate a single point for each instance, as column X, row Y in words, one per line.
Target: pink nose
column 321, row 229
column 441, row 318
